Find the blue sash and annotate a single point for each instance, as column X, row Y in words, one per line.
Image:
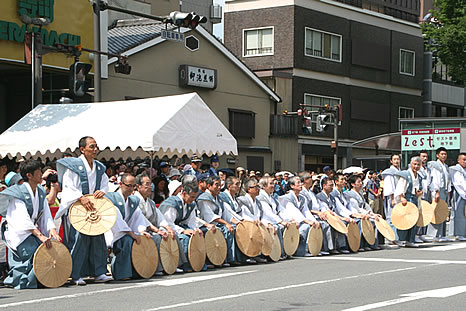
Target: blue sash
column 177, row 204
column 118, row 200
column 76, row 165
column 205, row 196
column 21, row 192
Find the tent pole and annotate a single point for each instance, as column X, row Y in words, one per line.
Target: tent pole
column 151, row 164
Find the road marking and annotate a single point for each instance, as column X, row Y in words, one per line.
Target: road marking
column 435, row 293
column 274, row 289
column 428, row 261
column 444, row 248
column 173, row 282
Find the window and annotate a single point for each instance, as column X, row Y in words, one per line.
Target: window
column 322, row 45
column 258, row 42
column 318, row 100
column 407, row 62
column 405, row 113
column 242, row 123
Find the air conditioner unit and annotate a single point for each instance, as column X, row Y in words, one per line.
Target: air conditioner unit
column 215, row 14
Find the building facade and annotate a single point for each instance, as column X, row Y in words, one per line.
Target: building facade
column 322, row 52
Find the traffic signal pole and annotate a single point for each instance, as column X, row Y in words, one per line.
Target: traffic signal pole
column 97, row 57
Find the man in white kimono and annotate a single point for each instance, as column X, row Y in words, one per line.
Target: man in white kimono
column 228, row 196
column 389, row 185
column 130, row 226
column 327, row 204
column 360, row 209
column 180, row 213
column 458, row 177
column 425, row 176
column 29, row 224
column 271, row 209
column 295, row 210
column 440, row 187
column 251, row 210
column 409, row 189
column 156, row 222
column 78, row 177
column 313, row 206
column 213, row 211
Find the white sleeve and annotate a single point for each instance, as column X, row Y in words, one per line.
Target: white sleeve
column 308, row 215
column 104, row 183
column 388, row 185
column 206, row 212
column 268, row 216
column 193, row 221
column 292, row 213
column 232, row 213
column 162, row 222
column 246, row 214
column 46, row 222
column 170, row 217
column 436, row 181
column 460, row 184
column 341, row 209
column 400, row 189
column 71, row 190
column 354, row 205
column 137, row 222
column 323, row 206
column 18, row 217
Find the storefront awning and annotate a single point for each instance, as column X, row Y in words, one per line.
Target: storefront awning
column 390, row 141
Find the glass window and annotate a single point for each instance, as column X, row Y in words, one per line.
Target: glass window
column 407, row 62
column 258, row 42
column 405, row 113
column 318, row 100
column 322, row 44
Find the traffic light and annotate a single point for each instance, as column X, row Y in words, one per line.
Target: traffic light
column 321, row 119
column 188, row 20
column 78, row 83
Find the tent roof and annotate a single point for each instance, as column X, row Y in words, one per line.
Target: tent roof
column 172, row 126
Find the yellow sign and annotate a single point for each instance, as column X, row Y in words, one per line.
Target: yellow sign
column 71, row 22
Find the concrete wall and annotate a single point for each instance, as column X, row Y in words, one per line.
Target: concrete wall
column 155, row 73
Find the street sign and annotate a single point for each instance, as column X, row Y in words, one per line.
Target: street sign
column 172, row 35
column 430, row 139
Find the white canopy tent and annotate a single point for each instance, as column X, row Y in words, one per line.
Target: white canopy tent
column 163, row 126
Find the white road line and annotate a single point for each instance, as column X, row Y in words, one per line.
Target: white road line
column 431, row 261
column 177, row 281
column 268, row 290
column 444, row 248
column 434, row 293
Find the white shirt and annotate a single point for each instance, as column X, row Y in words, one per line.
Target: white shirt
column 402, row 186
column 207, row 208
column 355, row 208
column 246, row 213
column 314, row 202
column 171, row 213
column 20, row 223
column 343, row 209
column 459, row 182
column 230, row 208
column 269, row 210
column 136, row 223
column 71, row 186
column 291, row 213
column 148, row 210
column 439, row 180
column 389, row 184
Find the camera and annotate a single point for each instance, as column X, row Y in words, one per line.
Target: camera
column 52, row 178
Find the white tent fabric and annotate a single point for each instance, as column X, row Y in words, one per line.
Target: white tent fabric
column 163, row 126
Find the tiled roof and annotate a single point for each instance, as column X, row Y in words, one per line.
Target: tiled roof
column 129, row 34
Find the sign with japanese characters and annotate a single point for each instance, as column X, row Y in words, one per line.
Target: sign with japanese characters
column 172, row 35
column 430, row 139
column 197, row 77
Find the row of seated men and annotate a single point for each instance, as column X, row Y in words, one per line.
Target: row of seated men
column 30, row 223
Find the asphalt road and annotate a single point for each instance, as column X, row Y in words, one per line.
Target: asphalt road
column 431, row 278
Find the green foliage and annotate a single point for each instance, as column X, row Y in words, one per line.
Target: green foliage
column 447, row 31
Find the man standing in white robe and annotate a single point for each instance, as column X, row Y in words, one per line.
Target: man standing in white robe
column 458, row 177
column 79, row 177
